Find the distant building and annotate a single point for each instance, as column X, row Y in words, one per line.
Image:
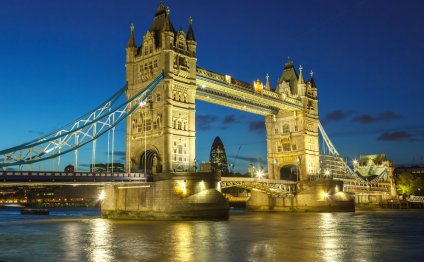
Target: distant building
column 69, row 169
column 205, row 167
column 372, row 166
column 218, row 158
column 117, row 167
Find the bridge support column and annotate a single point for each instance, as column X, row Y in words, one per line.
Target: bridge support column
column 323, row 196
column 180, row 197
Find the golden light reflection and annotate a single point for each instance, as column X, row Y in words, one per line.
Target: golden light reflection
column 71, row 237
column 183, row 242
column 329, row 242
column 101, row 242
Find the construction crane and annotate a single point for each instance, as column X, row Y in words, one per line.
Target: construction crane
column 234, row 160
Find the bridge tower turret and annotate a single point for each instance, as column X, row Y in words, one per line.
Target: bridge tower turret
column 161, row 133
column 292, row 136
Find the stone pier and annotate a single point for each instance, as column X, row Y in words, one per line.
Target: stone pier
column 180, row 196
column 317, row 196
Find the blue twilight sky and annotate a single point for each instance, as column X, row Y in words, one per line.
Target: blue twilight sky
column 59, row 59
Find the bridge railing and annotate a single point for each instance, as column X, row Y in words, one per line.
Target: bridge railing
column 257, row 180
column 32, row 176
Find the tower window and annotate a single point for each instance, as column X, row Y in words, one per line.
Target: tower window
column 276, row 131
column 286, row 128
column 286, row 147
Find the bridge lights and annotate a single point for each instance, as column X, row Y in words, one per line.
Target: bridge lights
column 327, row 172
column 202, row 185
column 355, row 162
column 182, row 187
column 101, row 195
column 141, row 104
column 260, row 174
column 325, row 195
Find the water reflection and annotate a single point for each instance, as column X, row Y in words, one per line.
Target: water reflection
column 100, row 245
column 183, row 242
column 71, row 241
column 331, row 240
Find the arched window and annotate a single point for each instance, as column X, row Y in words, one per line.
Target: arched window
column 286, row 128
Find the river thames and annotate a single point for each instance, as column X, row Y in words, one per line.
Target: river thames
column 79, row 235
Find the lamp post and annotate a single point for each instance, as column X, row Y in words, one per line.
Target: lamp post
column 299, row 161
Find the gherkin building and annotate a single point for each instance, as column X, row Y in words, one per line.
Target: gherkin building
column 218, row 158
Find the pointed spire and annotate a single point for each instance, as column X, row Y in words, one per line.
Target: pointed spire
column 131, row 41
column 267, row 87
column 190, row 33
column 312, row 81
column 289, row 63
column 301, row 80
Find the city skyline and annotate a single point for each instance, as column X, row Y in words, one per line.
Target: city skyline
column 58, row 55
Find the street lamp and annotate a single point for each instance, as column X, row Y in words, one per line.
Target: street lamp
column 299, row 160
column 260, row 174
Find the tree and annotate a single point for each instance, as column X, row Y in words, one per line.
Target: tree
column 406, row 184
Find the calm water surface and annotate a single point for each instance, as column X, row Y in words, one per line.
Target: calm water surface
column 79, row 235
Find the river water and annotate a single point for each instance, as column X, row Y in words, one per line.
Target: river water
column 80, row 235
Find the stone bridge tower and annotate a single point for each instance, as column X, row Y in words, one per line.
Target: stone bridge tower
column 160, row 135
column 292, row 136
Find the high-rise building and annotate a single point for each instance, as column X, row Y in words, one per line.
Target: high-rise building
column 218, row 158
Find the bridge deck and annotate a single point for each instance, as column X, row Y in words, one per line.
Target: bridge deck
column 8, row 177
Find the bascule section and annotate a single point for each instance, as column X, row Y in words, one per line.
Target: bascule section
column 161, row 133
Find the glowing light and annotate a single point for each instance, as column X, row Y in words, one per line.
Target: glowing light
column 101, row 195
column 327, row 172
column 141, row 104
column 355, row 162
column 202, row 185
column 260, row 174
column 203, row 86
column 325, row 195
column 182, row 187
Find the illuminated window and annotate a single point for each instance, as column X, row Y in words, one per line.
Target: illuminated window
column 286, row 147
column 157, row 97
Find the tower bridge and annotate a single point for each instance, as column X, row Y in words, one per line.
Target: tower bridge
column 163, row 83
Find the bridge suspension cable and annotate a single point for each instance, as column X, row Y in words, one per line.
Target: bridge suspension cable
column 76, row 134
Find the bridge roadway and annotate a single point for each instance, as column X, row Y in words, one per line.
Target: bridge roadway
column 8, row 178
column 274, row 188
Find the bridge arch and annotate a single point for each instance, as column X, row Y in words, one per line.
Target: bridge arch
column 150, row 161
column 290, row 172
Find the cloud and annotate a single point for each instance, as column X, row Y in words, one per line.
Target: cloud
column 337, row 115
column 382, row 117
column 365, row 119
column 257, row 126
column 249, row 159
column 204, row 122
column 388, row 116
column 40, row 133
column 229, row 119
column 395, row 136
column 118, row 153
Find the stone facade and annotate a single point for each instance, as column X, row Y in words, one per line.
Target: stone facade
column 292, row 136
column 165, row 125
